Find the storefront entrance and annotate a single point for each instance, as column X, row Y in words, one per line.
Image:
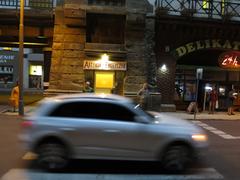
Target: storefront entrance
column 35, row 76
column 104, row 81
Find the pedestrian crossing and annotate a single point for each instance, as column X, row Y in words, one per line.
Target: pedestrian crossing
column 216, row 131
column 196, row 174
column 29, row 174
column 4, row 108
column 23, row 174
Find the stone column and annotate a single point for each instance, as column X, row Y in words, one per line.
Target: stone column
column 149, row 55
column 166, row 81
column 68, row 48
column 135, row 46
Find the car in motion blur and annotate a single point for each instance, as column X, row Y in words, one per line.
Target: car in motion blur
column 108, row 127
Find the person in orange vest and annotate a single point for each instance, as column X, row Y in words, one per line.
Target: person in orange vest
column 14, row 97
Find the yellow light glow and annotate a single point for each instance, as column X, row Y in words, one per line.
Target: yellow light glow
column 36, row 70
column 104, row 58
column 199, row 137
column 104, row 80
column 205, row 4
column 7, row 48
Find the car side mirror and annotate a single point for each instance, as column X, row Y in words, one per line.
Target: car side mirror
column 141, row 119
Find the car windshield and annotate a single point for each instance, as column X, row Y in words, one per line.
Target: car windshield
column 138, row 107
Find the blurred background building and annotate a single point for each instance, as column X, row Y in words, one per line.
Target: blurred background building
column 118, row 45
column 196, row 35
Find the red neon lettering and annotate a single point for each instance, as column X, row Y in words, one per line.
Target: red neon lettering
column 230, row 61
column 224, row 63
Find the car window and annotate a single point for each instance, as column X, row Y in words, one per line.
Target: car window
column 94, row 110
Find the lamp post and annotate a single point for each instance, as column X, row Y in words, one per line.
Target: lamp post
column 21, row 58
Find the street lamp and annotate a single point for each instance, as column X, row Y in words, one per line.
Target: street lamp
column 21, row 57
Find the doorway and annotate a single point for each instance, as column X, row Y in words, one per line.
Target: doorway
column 104, row 81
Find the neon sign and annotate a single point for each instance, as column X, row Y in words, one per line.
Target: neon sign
column 230, row 59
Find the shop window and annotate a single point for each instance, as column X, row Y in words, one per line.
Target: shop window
column 179, row 91
column 222, row 90
column 6, row 75
column 35, row 76
column 190, row 91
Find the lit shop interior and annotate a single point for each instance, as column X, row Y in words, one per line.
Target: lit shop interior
column 219, row 70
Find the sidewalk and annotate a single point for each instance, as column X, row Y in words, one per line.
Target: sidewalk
column 5, row 109
column 205, row 115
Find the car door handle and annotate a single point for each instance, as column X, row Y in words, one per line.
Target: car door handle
column 68, row 129
column 111, row 131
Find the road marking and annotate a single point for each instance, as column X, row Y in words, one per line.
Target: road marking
column 23, row 174
column 4, row 108
column 209, row 128
column 216, row 131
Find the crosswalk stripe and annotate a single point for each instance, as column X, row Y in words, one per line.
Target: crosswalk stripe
column 216, row 131
column 22, row 174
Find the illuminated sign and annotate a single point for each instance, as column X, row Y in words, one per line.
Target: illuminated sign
column 36, row 70
column 105, row 65
column 6, row 58
column 230, row 59
column 206, row 44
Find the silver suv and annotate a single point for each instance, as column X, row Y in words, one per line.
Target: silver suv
column 109, row 127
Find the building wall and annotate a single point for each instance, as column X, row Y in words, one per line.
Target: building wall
column 66, row 71
column 172, row 33
column 69, row 44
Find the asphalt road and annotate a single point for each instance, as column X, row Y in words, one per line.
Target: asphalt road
column 221, row 162
column 224, row 151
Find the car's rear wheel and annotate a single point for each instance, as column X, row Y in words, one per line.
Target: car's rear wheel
column 176, row 158
column 52, row 156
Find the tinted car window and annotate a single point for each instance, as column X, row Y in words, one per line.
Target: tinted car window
column 93, row 110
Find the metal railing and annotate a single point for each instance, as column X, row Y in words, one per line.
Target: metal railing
column 39, row 4
column 107, row 2
column 219, row 9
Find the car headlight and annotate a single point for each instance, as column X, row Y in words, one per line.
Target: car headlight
column 199, row 137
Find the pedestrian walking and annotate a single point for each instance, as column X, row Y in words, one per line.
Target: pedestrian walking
column 231, row 97
column 143, row 95
column 213, row 100
column 14, row 97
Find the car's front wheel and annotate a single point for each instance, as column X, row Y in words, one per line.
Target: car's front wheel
column 52, row 156
column 176, row 158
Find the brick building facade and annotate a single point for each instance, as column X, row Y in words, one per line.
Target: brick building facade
column 85, row 30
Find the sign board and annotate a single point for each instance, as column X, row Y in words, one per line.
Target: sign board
column 7, row 57
column 8, row 66
column 206, row 44
column 230, row 59
column 105, row 65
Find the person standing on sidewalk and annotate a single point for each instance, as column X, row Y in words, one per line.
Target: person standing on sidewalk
column 143, row 95
column 213, row 95
column 14, row 97
column 87, row 87
column 231, row 97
